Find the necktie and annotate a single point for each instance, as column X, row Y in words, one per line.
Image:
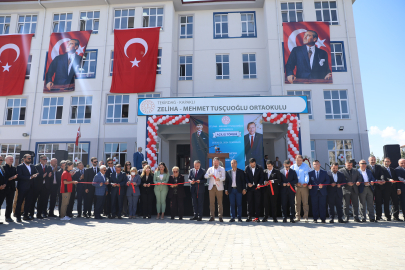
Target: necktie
column 373, row 168
column 251, row 142
column 43, row 168
column 317, row 175
column 309, row 54
column 95, row 170
column 69, row 61
column 286, row 174
column 196, row 172
column 1, row 172
column 388, row 169
column 199, row 133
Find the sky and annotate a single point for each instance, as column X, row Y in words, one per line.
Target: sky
column 381, row 66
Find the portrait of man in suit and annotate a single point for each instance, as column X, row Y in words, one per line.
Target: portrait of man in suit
column 199, row 144
column 310, row 61
column 62, row 70
column 253, row 144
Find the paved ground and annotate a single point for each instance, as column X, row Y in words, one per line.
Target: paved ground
column 160, row 244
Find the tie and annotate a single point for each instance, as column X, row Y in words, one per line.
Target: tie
column 251, row 142
column 69, row 61
column 373, row 168
column 196, row 172
column 1, row 172
column 388, row 169
column 95, row 170
column 286, row 175
column 317, row 175
column 309, row 54
column 43, row 168
column 199, row 134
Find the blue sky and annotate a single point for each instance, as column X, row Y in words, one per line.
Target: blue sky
column 381, row 67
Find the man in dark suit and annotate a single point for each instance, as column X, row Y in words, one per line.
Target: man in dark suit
column 143, row 165
column 382, row 190
column 55, row 189
column 10, row 174
column 199, row 145
column 395, row 189
column 272, row 178
column 253, row 178
column 350, row 190
column 197, row 189
column 26, row 173
column 335, row 194
column 117, row 180
column 288, row 180
column 253, row 145
column 64, row 67
column 89, row 189
column 107, row 198
column 138, row 159
column 318, row 192
column 366, row 192
column 42, row 188
column 311, row 62
column 400, row 172
column 79, row 177
column 3, row 184
column 235, row 187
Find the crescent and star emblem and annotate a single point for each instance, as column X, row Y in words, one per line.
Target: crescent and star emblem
column 292, row 40
column 133, row 41
column 9, row 46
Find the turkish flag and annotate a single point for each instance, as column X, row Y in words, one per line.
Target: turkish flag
column 294, row 37
column 78, row 135
column 14, row 53
column 135, row 60
column 57, row 66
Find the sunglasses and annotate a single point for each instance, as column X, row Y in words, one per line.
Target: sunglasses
column 109, row 163
column 95, row 161
column 175, row 171
column 28, row 158
column 363, row 163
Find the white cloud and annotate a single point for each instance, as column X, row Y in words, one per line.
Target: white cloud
column 389, row 134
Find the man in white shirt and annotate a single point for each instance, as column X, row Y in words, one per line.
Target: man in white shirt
column 235, row 187
column 302, row 195
column 366, row 194
column 216, row 177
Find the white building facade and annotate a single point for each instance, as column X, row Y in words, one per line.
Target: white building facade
column 206, row 48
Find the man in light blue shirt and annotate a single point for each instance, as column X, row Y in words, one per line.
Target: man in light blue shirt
column 302, row 194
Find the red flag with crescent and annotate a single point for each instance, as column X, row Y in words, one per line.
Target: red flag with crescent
column 63, row 62
column 135, row 60
column 14, row 53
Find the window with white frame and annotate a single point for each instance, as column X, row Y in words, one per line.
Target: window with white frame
column 16, row 108
column 292, row 12
column 89, row 20
column 304, row 93
column 52, row 110
column 124, row 18
column 151, row 95
column 27, row 24
column 186, row 68
column 88, row 65
column 221, row 25
column 111, row 63
column 337, row 55
column 62, row 22
column 153, row 17
column 222, row 63
column 80, row 110
column 159, row 62
column 340, row 151
column 336, row 104
column 249, row 66
column 10, row 149
column 116, row 151
column 4, row 25
column 313, row 153
column 326, row 11
column 186, row 26
column 47, row 149
column 28, row 70
column 248, row 24
column 117, row 108
column 78, row 153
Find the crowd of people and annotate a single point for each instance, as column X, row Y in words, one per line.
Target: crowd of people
column 115, row 191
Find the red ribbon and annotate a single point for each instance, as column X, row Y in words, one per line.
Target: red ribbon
column 133, row 188
column 268, row 184
column 292, row 189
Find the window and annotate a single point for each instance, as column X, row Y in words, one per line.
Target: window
column 52, row 110
column 16, row 108
column 12, row 150
column 221, row 25
column 292, row 12
column 340, row 151
column 62, row 22
column 222, row 61
column 48, row 150
column 27, row 24
column 153, row 17
column 116, row 151
column 326, row 11
column 248, row 24
column 186, row 68
column 152, row 95
column 28, row 70
column 124, row 18
column 336, row 104
column 159, row 62
column 303, row 93
column 338, row 56
column 81, row 110
column 78, row 153
column 249, row 66
column 111, row 63
column 117, row 108
column 4, row 24
column 186, row 26
column 313, row 154
column 89, row 21
column 88, row 66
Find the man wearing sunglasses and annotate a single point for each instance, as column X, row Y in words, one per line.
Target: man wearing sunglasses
column 89, row 197
column 26, row 173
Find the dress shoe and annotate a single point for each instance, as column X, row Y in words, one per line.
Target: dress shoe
column 341, row 221
column 1, row 223
column 363, row 220
column 397, row 219
column 240, row 220
column 39, row 217
column 306, row 220
column 357, row 220
column 212, row 219
column 331, row 221
column 378, row 218
column 180, row 218
column 284, row 220
column 88, row 216
column 292, row 220
column 51, row 215
column 111, row 217
column 249, row 219
column 172, row 218
column 9, row 220
column 388, row 219
column 315, row 221
column 275, row 220
column 221, row 220
column 232, row 220
column 149, row 217
column 264, row 219
column 79, row 216
column 27, row 218
column 323, row 221
column 373, row 220
column 199, row 219
column 194, row 218
column 44, row 215
column 19, row 220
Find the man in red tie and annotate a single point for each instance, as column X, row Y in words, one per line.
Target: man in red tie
column 253, row 145
column 288, row 181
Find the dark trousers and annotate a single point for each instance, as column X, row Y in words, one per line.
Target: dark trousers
column 107, row 202
column 99, row 206
column 80, row 198
column 402, row 201
column 318, row 205
column 116, row 201
column 7, row 194
column 288, row 199
column 35, row 199
column 69, row 210
column 270, row 202
column 235, row 200
column 147, row 203
column 253, row 198
column 335, row 201
column 42, row 205
column 23, row 194
column 89, row 200
column 382, row 196
column 198, row 203
column 176, row 206
column 55, row 190
column 125, row 206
